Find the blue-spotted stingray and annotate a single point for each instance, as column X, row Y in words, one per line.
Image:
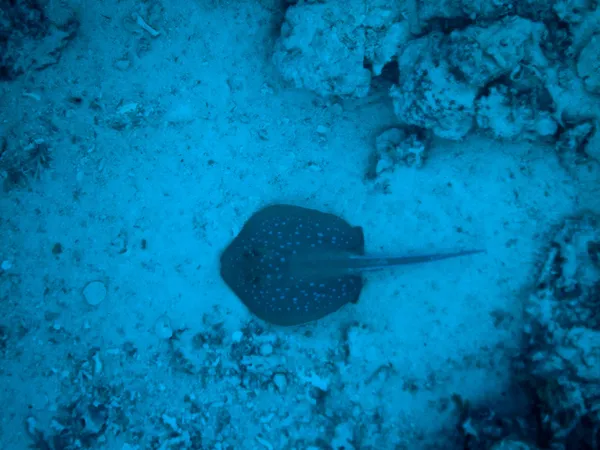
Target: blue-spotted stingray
column 291, row 265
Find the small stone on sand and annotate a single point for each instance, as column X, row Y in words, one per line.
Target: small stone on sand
column 266, row 349
column 237, row 337
column 162, row 328
column 94, row 293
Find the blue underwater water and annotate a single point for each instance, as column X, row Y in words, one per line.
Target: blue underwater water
column 145, row 302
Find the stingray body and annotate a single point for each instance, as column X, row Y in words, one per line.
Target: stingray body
column 291, row 265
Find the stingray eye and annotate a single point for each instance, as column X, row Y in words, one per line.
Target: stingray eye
column 251, row 253
column 253, row 279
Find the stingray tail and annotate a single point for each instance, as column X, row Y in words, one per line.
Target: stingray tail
column 366, row 263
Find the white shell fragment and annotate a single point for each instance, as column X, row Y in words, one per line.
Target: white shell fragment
column 94, row 293
column 280, row 382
